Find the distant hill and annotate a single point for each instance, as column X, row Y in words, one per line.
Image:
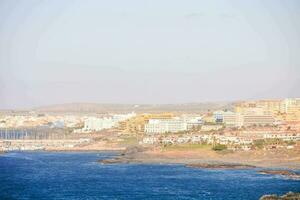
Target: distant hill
column 138, row 108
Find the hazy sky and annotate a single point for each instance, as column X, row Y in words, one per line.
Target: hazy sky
column 138, row 51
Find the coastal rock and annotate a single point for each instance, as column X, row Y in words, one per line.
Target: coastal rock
column 287, row 196
column 220, row 166
column 286, row 173
column 113, row 161
column 126, row 156
column 108, row 161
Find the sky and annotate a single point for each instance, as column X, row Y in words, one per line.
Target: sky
column 133, row 51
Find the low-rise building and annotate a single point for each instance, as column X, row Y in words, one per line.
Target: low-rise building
column 283, row 136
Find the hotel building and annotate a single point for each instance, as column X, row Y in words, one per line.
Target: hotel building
column 165, row 126
column 232, row 119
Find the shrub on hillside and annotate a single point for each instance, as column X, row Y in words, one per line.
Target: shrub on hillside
column 219, row 147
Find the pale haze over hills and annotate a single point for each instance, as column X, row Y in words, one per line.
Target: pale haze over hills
column 138, row 108
column 147, row 52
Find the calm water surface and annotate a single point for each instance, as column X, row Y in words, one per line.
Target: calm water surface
column 43, row 175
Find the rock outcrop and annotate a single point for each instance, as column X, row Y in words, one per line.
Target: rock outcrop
column 287, row 196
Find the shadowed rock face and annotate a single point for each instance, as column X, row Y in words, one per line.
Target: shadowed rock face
column 287, row 196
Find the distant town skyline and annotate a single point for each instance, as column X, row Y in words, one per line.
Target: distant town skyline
column 147, row 52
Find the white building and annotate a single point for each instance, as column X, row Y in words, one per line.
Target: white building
column 231, row 119
column 192, row 121
column 165, row 126
column 123, row 117
column 283, row 136
column 98, row 124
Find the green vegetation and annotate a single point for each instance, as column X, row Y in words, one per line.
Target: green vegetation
column 219, row 147
column 290, row 142
column 259, row 143
column 264, row 142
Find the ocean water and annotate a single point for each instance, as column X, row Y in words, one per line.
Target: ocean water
column 44, row 175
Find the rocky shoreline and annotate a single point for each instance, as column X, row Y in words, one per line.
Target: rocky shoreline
column 284, row 173
column 287, row 196
column 136, row 155
column 206, row 165
column 132, row 155
column 221, row 166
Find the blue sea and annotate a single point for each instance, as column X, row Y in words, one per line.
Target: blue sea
column 44, row 175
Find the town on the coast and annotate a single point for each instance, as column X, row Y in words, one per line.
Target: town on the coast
column 240, row 126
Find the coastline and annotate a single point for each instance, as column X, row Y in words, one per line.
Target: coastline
column 192, row 158
column 203, row 156
column 138, row 155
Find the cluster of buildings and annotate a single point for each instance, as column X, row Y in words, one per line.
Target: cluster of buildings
column 77, row 122
column 285, row 109
column 261, row 113
column 34, row 120
column 101, row 123
column 142, row 123
column 248, row 121
column 242, row 140
column 239, row 128
column 246, row 114
column 198, row 139
column 31, row 145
